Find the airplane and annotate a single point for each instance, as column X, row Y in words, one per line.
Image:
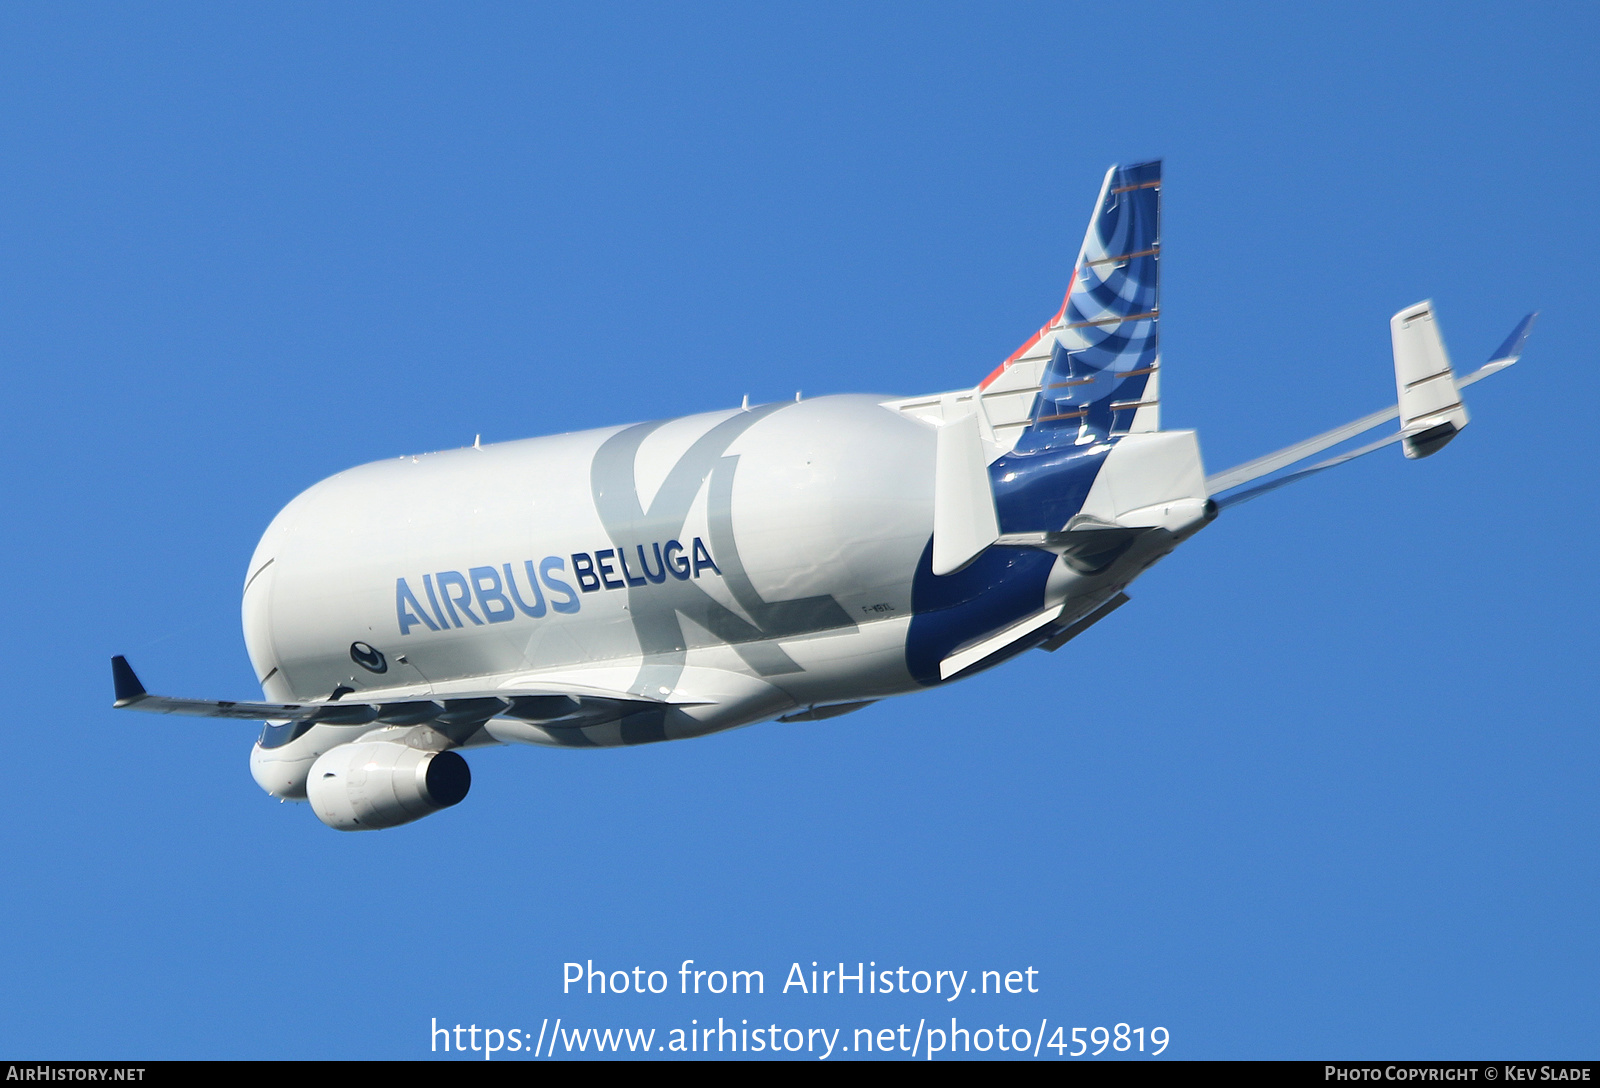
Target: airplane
column 792, row 561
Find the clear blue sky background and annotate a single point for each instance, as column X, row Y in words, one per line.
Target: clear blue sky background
column 1327, row 787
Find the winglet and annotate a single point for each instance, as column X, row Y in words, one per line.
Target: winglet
column 1504, row 355
column 1512, row 348
column 125, row 683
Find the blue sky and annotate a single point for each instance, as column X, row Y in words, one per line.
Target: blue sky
column 1325, row 788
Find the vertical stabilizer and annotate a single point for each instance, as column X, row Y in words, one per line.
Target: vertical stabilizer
column 1091, row 372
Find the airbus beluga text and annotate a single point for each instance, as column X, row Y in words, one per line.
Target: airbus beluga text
column 794, row 561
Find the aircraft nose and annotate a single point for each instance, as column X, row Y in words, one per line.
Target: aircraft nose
column 283, row 778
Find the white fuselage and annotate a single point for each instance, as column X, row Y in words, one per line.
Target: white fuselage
column 829, row 499
column 729, row 567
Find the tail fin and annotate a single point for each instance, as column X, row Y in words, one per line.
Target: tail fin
column 1095, row 366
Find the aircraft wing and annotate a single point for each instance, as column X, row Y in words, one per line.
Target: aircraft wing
column 1429, row 408
column 556, row 699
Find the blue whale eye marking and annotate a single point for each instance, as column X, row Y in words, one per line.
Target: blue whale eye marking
column 368, row 657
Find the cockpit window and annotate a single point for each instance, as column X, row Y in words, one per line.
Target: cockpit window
column 277, row 734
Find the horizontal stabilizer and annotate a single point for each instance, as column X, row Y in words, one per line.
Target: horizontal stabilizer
column 1427, row 414
column 1234, row 498
column 984, row 649
column 1310, row 447
column 1073, row 630
column 1149, row 481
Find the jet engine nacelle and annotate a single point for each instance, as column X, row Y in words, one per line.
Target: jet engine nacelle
column 374, row 784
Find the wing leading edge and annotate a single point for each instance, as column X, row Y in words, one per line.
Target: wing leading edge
column 533, row 701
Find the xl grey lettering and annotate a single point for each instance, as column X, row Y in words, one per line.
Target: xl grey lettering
column 656, row 609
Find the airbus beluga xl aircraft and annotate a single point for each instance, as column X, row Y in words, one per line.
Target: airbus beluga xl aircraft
column 794, row 561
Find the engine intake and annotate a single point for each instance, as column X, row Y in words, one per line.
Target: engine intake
column 375, row 784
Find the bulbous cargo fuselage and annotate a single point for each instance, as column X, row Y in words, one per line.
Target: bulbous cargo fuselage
column 780, row 541
column 667, row 580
